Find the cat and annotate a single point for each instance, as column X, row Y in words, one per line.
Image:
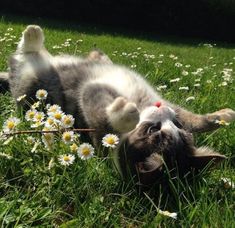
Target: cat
column 114, row 99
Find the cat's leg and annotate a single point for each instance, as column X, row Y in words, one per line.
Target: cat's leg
column 105, row 109
column 99, row 56
column 32, row 40
column 202, row 123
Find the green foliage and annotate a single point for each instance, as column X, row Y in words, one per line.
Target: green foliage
column 90, row 193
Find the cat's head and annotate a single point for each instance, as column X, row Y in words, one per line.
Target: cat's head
column 159, row 144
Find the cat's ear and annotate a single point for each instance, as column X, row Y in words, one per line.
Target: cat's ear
column 204, row 156
column 150, row 170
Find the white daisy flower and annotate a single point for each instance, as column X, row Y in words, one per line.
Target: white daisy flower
column 30, row 140
column 197, row 85
column 50, row 123
column 110, row 140
column 57, row 116
column 68, row 137
column 74, row 148
column 222, row 122
column 184, row 72
column 30, row 114
column 178, row 64
column 167, row 213
column 175, row 80
column 66, row 159
column 10, row 124
column 20, row 98
column 51, row 163
column 184, row 88
column 48, row 139
column 37, row 124
column 52, row 108
column 67, row 121
column 41, row 94
column 39, row 117
column 35, row 105
column 190, row 98
column 227, row 183
column 85, row 151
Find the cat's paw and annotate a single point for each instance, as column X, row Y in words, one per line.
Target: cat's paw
column 123, row 115
column 223, row 116
column 32, row 39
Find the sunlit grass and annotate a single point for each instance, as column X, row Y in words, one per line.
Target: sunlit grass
column 90, row 193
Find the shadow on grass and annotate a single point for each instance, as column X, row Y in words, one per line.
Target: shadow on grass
column 164, row 37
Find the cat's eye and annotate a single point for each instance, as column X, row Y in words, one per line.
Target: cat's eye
column 177, row 124
column 154, row 128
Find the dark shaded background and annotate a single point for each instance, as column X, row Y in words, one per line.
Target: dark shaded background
column 211, row 19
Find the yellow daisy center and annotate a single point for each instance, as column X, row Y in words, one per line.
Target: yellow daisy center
column 67, row 137
column 10, row 124
column 50, row 121
column 66, row 158
column 110, row 140
column 41, row 94
column 85, row 151
column 67, row 120
column 39, row 117
column 74, row 147
column 31, row 115
column 58, row 116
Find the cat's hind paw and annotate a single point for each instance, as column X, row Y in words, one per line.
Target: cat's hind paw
column 32, row 39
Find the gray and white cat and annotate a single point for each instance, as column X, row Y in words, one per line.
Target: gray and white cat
column 114, row 99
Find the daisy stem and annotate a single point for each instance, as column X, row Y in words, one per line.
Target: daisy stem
column 50, row 131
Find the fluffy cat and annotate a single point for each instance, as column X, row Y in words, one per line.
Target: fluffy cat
column 114, row 99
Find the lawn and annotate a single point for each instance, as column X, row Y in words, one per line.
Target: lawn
column 37, row 191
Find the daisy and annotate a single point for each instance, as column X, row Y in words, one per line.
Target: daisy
column 39, row 117
column 66, row 159
column 57, row 116
column 184, row 72
column 184, row 88
column 222, row 122
column 41, row 94
column 37, row 124
column 10, row 124
column 48, row 139
column 85, row 151
column 35, row 105
column 51, row 163
column 67, row 121
column 30, row 114
column 227, row 183
column 68, row 137
column 175, row 80
column 50, row 122
column 178, row 64
column 110, row 140
column 20, row 98
column 52, row 108
column 30, row 140
column 74, row 148
column 190, row 98
column 167, row 213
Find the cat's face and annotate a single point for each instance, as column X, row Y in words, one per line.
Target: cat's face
column 160, row 143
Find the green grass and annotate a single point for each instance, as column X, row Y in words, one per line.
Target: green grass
column 90, row 193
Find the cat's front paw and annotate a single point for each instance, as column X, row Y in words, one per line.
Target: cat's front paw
column 32, row 39
column 123, row 115
column 223, row 116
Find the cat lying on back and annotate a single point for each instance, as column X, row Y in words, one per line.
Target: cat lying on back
column 114, row 99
